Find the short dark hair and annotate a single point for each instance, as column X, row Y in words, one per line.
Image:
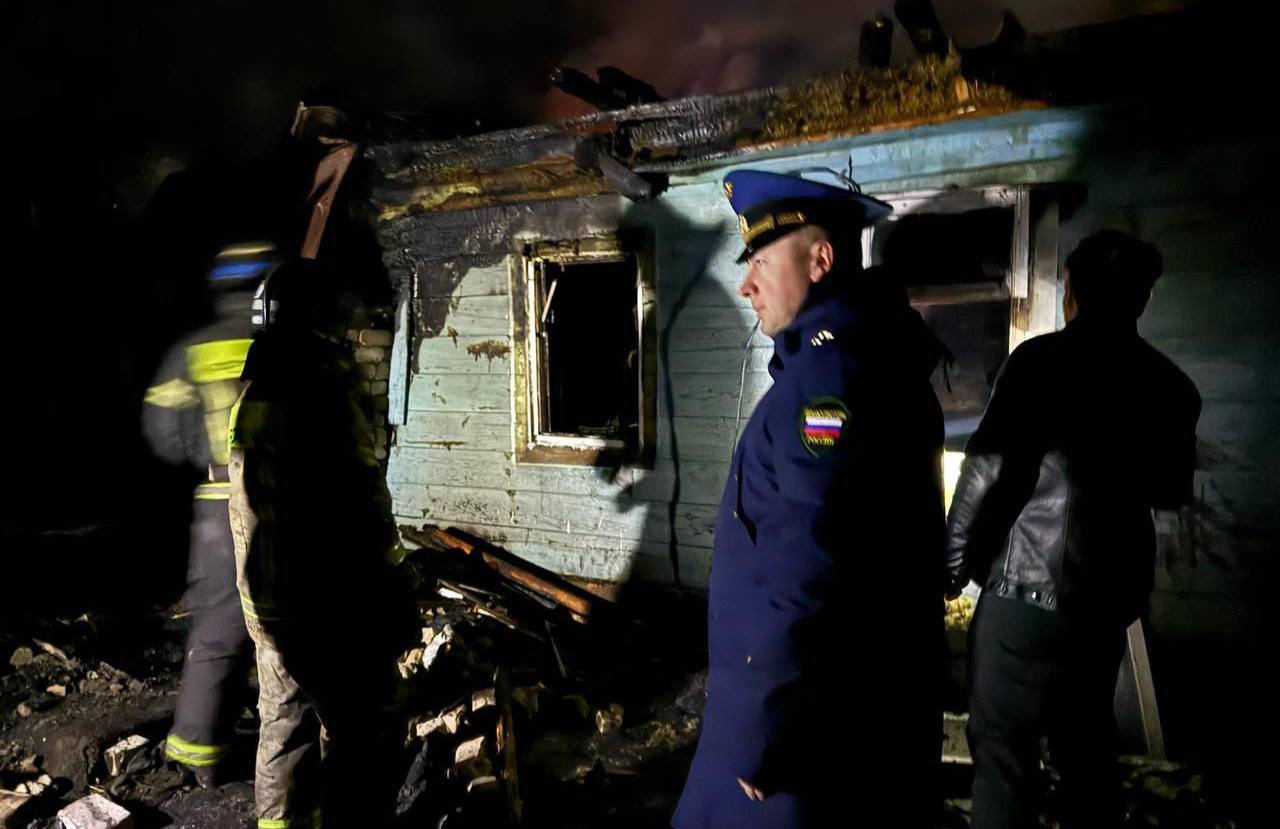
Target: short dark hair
column 1113, row 273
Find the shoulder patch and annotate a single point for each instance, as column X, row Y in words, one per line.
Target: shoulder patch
column 822, row 421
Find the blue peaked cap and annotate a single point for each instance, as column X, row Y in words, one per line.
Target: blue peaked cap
column 771, row 205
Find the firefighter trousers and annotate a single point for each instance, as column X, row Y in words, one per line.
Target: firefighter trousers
column 215, row 666
column 328, row 743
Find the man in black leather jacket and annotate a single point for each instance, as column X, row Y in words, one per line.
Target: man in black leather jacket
column 1088, row 430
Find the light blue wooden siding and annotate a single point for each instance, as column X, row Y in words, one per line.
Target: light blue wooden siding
column 452, row 463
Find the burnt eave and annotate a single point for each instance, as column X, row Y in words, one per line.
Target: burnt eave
column 627, row 151
column 603, row 152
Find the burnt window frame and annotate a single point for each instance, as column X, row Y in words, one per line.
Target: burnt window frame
column 535, row 445
column 1031, row 283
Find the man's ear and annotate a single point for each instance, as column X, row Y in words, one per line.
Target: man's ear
column 822, row 258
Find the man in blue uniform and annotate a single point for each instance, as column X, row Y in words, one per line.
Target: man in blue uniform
column 825, row 619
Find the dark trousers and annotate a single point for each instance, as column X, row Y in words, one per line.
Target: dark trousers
column 216, row 666
column 1037, row 673
column 331, row 731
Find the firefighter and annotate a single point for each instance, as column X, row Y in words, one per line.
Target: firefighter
column 316, row 550
column 184, row 420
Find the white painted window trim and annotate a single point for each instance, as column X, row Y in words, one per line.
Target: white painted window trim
column 600, row 250
column 1032, row 276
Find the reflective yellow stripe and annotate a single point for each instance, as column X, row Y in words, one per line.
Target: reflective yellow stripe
column 213, row 492
column 174, row 394
column 259, row 610
column 217, row 360
column 245, row 249
column 193, row 754
column 312, row 820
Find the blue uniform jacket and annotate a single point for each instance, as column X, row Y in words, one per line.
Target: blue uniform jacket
column 825, row 604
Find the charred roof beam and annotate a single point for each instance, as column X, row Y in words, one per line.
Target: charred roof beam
column 632, row 90
column 615, row 89
column 591, row 156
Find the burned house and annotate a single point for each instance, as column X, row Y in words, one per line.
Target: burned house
column 569, row 348
column 571, row 345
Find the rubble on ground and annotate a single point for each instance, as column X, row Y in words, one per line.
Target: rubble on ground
column 84, row 708
column 95, row 812
column 529, row 701
column 1164, row 793
column 118, row 756
column 14, row 809
column 1157, row 792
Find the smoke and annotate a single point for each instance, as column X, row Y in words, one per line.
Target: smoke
column 722, row 45
column 719, row 45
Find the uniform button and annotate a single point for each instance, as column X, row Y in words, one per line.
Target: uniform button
column 735, row 513
column 748, row 659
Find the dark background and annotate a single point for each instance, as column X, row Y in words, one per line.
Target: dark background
column 102, row 103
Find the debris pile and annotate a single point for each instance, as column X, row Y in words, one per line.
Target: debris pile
column 537, row 700
column 44, row 676
column 95, row 812
column 1164, row 793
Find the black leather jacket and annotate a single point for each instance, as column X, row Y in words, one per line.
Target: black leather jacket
column 1088, row 429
